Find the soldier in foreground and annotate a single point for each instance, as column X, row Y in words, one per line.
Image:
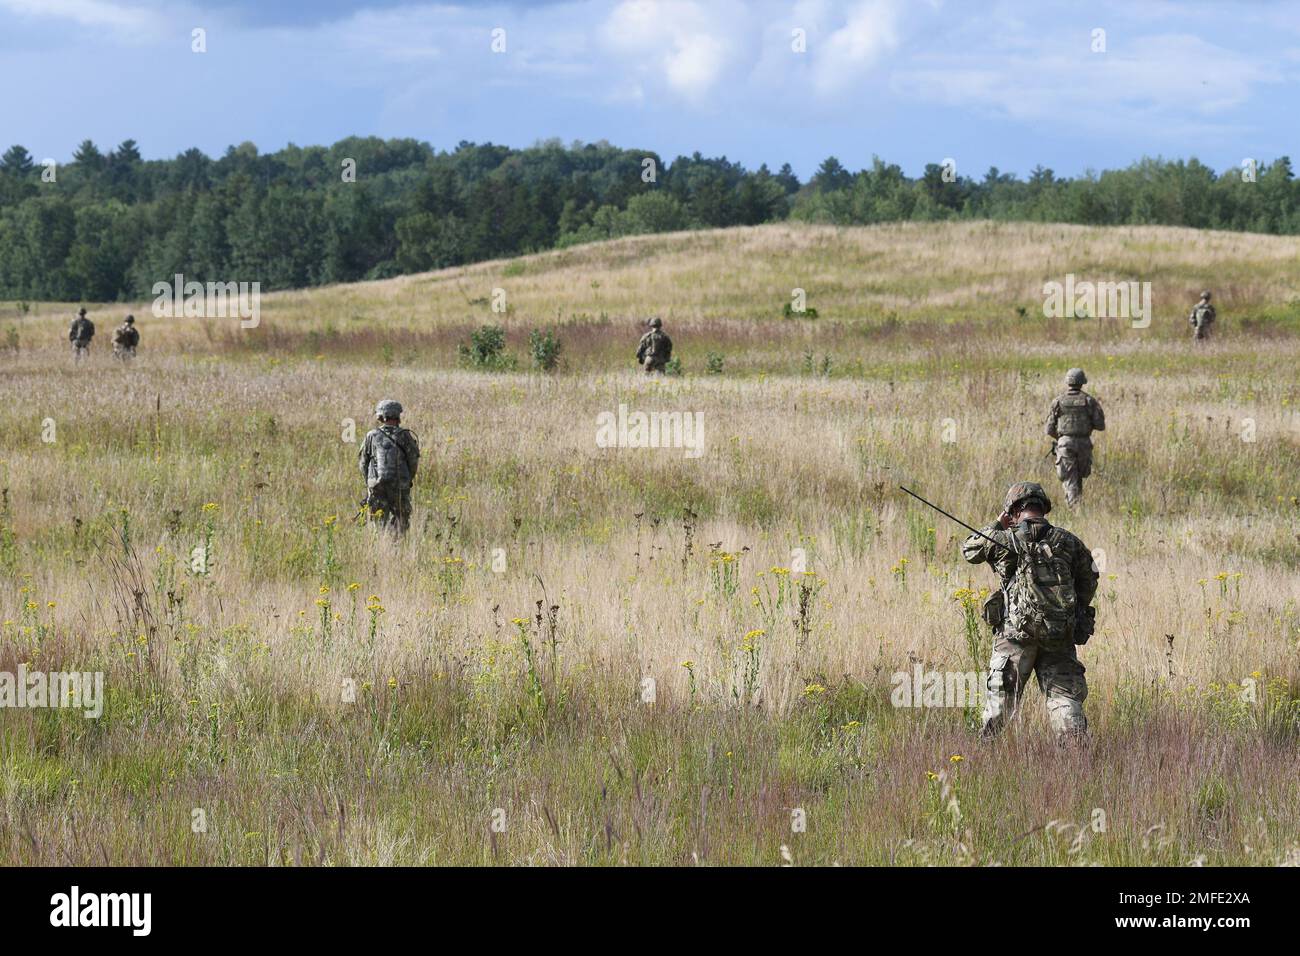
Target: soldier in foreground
column 80, row 333
column 1040, row 613
column 389, row 459
column 125, row 339
column 656, row 348
column 1202, row 317
column 1071, row 420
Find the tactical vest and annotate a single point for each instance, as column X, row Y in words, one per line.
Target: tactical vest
column 1075, row 417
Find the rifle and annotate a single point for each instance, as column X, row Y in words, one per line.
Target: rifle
column 954, row 518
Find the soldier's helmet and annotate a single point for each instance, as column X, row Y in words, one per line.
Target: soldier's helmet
column 1075, row 377
column 130, row 320
column 1206, row 295
column 656, row 322
column 1023, row 492
column 388, row 409
column 81, row 311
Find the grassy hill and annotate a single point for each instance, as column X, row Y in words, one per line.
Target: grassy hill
column 899, row 287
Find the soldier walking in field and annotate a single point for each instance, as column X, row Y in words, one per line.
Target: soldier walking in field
column 1071, row 420
column 655, row 349
column 1040, row 613
column 125, row 339
column 389, row 459
column 1202, row 317
column 80, row 333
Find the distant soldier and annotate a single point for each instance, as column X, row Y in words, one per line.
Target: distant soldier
column 1039, row 614
column 1202, row 317
column 1071, row 420
column 389, row 459
column 80, row 333
column 656, row 348
column 125, row 339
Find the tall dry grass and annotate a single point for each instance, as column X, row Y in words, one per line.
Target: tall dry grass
column 498, row 658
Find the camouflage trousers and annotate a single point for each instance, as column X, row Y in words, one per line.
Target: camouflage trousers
column 80, row 349
column 390, row 507
column 1200, row 332
column 1073, row 464
column 654, row 365
column 1060, row 677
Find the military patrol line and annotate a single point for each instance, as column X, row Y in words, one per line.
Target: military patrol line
column 1040, row 613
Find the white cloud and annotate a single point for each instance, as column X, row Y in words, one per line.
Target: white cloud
column 90, row 13
column 1163, row 76
column 869, row 32
column 690, row 45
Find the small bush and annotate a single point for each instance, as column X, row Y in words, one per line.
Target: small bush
column 486, row 349
column 790, row 312
column 674, row 366
column 544, row 346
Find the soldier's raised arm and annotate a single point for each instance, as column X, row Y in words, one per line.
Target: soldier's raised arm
column 976, row 549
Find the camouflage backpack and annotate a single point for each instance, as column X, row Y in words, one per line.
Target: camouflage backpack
column 660, row 346
column 1075, row 419
column 392, row 465
column 1041, row 601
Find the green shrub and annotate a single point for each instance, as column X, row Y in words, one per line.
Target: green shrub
column 486, row 349
column 544, row 346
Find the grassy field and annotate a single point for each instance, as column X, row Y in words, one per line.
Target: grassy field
column 631, row 655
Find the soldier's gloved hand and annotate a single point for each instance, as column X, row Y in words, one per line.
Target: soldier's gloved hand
column 1004, row 519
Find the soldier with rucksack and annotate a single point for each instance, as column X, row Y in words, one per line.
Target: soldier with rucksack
column 1202, row 317
column 1039, row 614
column 80, row 333
column 655, row 349
column 1071, row 420
column 125, row 339
column 389, row 458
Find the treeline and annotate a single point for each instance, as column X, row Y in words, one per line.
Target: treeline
column 108, row 225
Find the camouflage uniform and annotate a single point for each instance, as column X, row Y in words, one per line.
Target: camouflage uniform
column 1071, row 420
column 1017, row 655
column 1202, row 318
column 655, row 348
column 389, row 459
column 80, row 333
column 125, row 339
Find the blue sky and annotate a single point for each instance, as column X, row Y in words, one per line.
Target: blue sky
column 1006, row 84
